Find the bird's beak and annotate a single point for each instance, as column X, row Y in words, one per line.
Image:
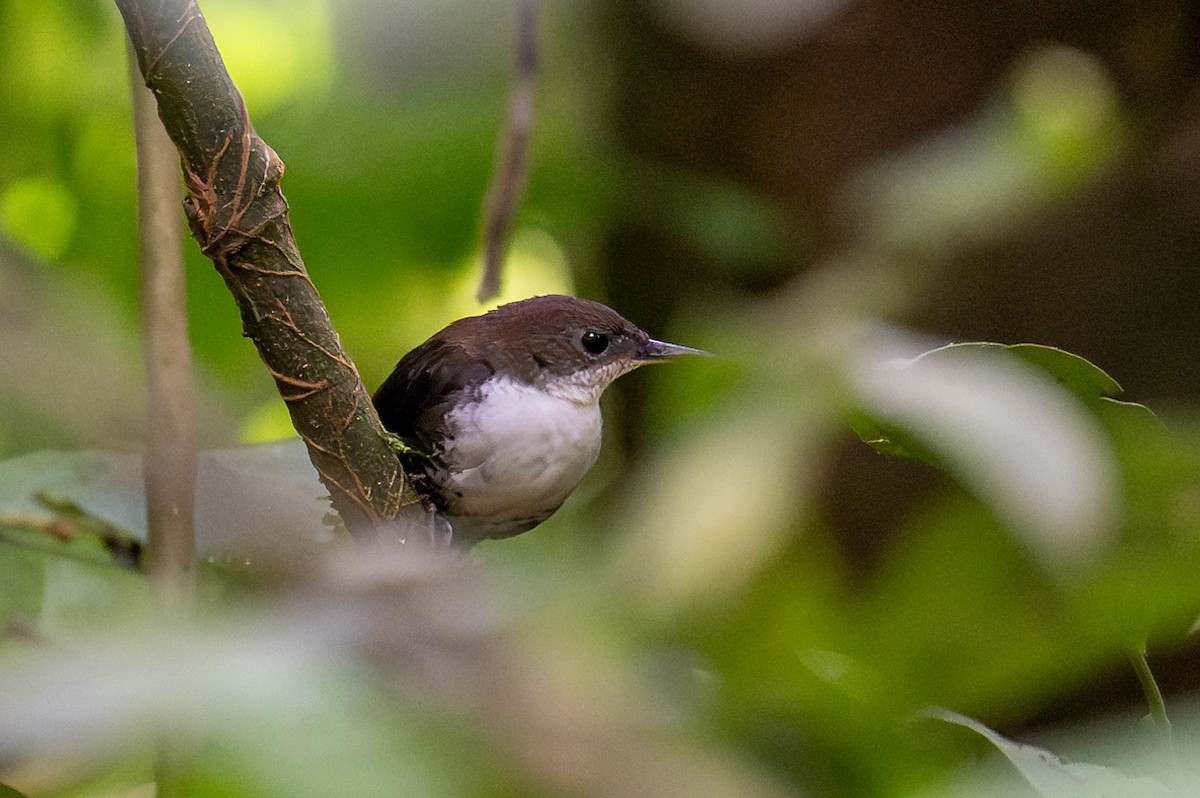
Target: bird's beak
column 655, row 351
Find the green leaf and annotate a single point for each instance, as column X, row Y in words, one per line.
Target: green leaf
column 1017, row 435
column 22, row 580
column 9, row 792
column 1085, row 380
column 1080, row 376
column 890, row 440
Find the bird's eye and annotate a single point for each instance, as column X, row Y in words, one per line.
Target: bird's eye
column 594, row 343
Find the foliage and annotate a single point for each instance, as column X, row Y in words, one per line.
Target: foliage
column 688, row 624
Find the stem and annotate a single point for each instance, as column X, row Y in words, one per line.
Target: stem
column 512, row 166
column 1154, row 697
column 169, row 462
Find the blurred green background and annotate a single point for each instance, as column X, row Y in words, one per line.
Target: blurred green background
column 749, row 178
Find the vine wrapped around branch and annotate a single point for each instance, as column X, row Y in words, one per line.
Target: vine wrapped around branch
column 239, row 216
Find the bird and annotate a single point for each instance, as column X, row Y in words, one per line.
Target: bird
column 497, row 419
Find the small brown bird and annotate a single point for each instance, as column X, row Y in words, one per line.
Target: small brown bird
column 499, row 416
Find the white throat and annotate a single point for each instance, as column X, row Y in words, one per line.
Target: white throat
column 585, row 385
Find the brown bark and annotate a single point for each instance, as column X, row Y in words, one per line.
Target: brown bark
column 239, row 216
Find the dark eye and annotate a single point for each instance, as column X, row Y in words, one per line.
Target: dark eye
column 594, row 343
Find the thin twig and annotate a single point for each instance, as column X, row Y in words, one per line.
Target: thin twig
column 1154, row 696
column 169, row 462
column 512, row 165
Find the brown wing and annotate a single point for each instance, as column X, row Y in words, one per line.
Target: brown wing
column 413, row 401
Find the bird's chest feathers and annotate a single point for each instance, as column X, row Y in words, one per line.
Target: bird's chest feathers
column 518, row 450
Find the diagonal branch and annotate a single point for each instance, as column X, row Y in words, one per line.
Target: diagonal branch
column 239, row 216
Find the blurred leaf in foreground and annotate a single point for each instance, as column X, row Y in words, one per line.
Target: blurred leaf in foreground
column 1052, row 777
column 1025, row 445
column 378, row 672
column 248, row 497
column 9, row 792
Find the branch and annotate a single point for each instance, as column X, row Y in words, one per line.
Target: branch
column 512, row 166
column 239, row 216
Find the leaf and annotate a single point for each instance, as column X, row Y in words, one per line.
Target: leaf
column 1078, row 375
column 22, row 578
column 890, row 440
column 103, row 485
column 1008, row 431
column 247, row 497
column 9, row 792
column 1086, row 381
column 1054, row 778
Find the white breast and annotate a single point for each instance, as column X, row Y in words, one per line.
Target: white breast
column 517, row 454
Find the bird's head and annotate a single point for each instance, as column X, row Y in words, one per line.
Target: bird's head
column 569, row 347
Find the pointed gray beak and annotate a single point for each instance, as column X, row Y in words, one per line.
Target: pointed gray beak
column 655, row 351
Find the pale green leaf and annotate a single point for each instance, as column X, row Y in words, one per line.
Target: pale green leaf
column 1053, row 777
